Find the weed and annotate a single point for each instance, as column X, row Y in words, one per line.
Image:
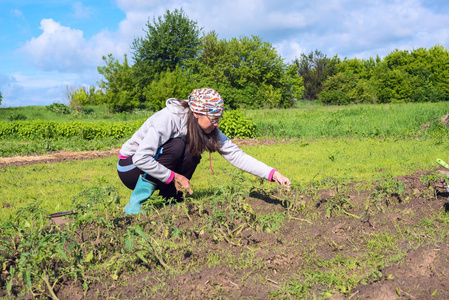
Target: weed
column 270, row 223
column 150, row 245
column 427, row 179
column 338, row 201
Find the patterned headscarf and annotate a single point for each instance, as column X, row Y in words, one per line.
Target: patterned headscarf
column 206, row 101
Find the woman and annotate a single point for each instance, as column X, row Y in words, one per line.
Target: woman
column 164, row 152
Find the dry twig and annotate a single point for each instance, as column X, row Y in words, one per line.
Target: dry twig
column 226, row 239
column 353, row 295
column 234, row 283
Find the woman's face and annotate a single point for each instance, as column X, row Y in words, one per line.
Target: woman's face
column 207, row 123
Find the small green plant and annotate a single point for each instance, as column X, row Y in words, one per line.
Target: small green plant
column 96, row 204
column 427, row 179
column 332, row 155
column 385, row 190
column 150, row 245
column 388, row 187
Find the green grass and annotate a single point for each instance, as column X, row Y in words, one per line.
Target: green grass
column 304, row 162
column 367, row 120
column 343, row 159
column 89, row 113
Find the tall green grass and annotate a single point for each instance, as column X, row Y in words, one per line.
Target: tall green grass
column 314, row 121
column 88, row 113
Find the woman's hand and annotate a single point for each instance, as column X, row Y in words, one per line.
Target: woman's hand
column 182, row 184
column 281, row 179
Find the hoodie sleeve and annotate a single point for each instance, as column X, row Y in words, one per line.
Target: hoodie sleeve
column 239, row 159
column 159, row 132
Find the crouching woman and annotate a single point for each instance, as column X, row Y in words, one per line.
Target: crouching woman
column 165, row 151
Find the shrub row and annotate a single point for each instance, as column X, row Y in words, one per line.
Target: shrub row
column 38, row 129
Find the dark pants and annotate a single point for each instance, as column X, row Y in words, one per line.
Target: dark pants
column 174, row 155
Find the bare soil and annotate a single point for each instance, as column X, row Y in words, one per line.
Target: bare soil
column 278, row 257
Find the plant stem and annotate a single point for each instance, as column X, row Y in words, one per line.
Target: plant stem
column 50, row 289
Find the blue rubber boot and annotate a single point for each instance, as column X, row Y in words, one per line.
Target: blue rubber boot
column 143, row 190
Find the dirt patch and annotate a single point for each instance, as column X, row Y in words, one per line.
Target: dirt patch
column 421, row 276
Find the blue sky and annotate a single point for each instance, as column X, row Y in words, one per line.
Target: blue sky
column 51, row 46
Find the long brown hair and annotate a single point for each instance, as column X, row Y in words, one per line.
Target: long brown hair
column 198, row 140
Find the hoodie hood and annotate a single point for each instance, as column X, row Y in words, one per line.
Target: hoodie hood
column 174, row 106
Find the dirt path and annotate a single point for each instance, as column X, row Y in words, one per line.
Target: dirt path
column 54, row 157
column 61, row 156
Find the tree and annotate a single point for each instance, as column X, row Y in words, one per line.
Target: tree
column 79, row 98
column 346, row 88
column 169, row 84
column 439, row 61
column 168, row 42
column 247, row 71
column 363, row 68
column 420, row 75
column 122, row 92
column 315, row 68
column 1, row 97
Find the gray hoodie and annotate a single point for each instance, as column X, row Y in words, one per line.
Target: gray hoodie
column 170, row 122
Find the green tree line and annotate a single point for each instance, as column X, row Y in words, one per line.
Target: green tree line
column 420, row 75
column 175, row 56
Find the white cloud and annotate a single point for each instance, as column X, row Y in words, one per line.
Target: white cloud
column 135, row 5
column 65, row 49
column 343, row 27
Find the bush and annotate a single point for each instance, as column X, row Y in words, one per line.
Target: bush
column 17, row 117
column 235, row 125
column 59, row 108
column 79, row 98
column 334, row 97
